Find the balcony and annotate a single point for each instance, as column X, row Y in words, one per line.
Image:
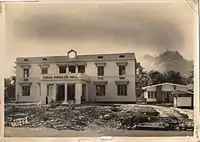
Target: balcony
column 64, row 76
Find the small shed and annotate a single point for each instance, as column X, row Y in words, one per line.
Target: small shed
column 183, row 99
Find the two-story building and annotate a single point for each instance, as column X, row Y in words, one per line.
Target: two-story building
column 76, row 78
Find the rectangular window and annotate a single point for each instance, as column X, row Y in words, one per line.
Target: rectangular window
column 25, row 90
column 100, row 90
column 122, row 70
column 122, row 90
column 149, row 96
column 100, row 57
column 72, row 69
column 81, row 69
column 62, row 69
column 44, row 71
column 100, row 70
column 152, row 94
column 26, row 73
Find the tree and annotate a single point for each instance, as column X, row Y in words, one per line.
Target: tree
column 191, row 78
column 9, row 90
column 142, row 79
column 190, row 81
column 155, row 77
column 173, row 77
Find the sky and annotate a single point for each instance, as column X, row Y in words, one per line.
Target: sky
column 45, row 29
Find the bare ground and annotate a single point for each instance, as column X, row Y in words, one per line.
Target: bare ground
column 62, row 115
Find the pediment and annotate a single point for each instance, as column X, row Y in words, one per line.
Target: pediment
column 72, row 54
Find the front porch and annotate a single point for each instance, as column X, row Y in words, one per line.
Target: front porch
column 65, row 89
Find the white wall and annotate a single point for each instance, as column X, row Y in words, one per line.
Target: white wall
column 151, row 89
column 146, row 94
column 165, row 87
column 111, row 75
column 110, row 72
column 111, row 93
column 34, row 73
column 184, row 101
column 149, row 99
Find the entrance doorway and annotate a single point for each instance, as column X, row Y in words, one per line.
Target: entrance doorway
column 60, row 96
column 71, row 92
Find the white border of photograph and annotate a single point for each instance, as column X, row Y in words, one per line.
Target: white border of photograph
column 196, row 136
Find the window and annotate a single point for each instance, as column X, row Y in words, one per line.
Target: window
column 25, row 90
column 152, row 94
column 44, row 70
column 81, row 69
column 72, row 69
column 122, row 70
column 100, row 57
column 121, row 56
column 44, row 59
column 100, row 70
column 62, row 69
column 100, row 90
column 26, row 73
column 122, row 90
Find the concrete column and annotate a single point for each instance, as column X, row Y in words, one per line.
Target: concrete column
column 65, row 100
column 67, row 69
column 78, row 93
column 39, row 89
column 38, row 92
column 76, row 69
column 54, row 92
column 50, row 93
column 86, row 92
column 43, row 93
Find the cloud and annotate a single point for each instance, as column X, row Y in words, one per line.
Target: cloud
column 158, row 32
column 151, row 26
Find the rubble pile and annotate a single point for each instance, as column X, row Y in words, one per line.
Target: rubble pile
column 80, row 117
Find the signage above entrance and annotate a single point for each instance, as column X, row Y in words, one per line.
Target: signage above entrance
column 59, row 77
column 68, row 76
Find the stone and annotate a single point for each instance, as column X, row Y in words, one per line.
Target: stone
column 77, row 117
column 107, row 116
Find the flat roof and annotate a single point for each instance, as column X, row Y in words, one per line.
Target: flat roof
column 84, row 58
column 161, row 84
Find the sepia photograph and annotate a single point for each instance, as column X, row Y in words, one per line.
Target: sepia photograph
column 92, row 69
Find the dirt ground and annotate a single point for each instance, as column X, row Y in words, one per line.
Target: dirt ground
column 94, row 121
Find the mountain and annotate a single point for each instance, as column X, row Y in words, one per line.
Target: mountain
column 168, row 60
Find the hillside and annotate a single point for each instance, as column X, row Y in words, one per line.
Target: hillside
column 169, row 60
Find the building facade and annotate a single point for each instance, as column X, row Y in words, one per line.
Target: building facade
column 76, row 78
column 162, row 93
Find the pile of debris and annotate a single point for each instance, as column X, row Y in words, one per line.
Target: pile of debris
column 80, row 117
